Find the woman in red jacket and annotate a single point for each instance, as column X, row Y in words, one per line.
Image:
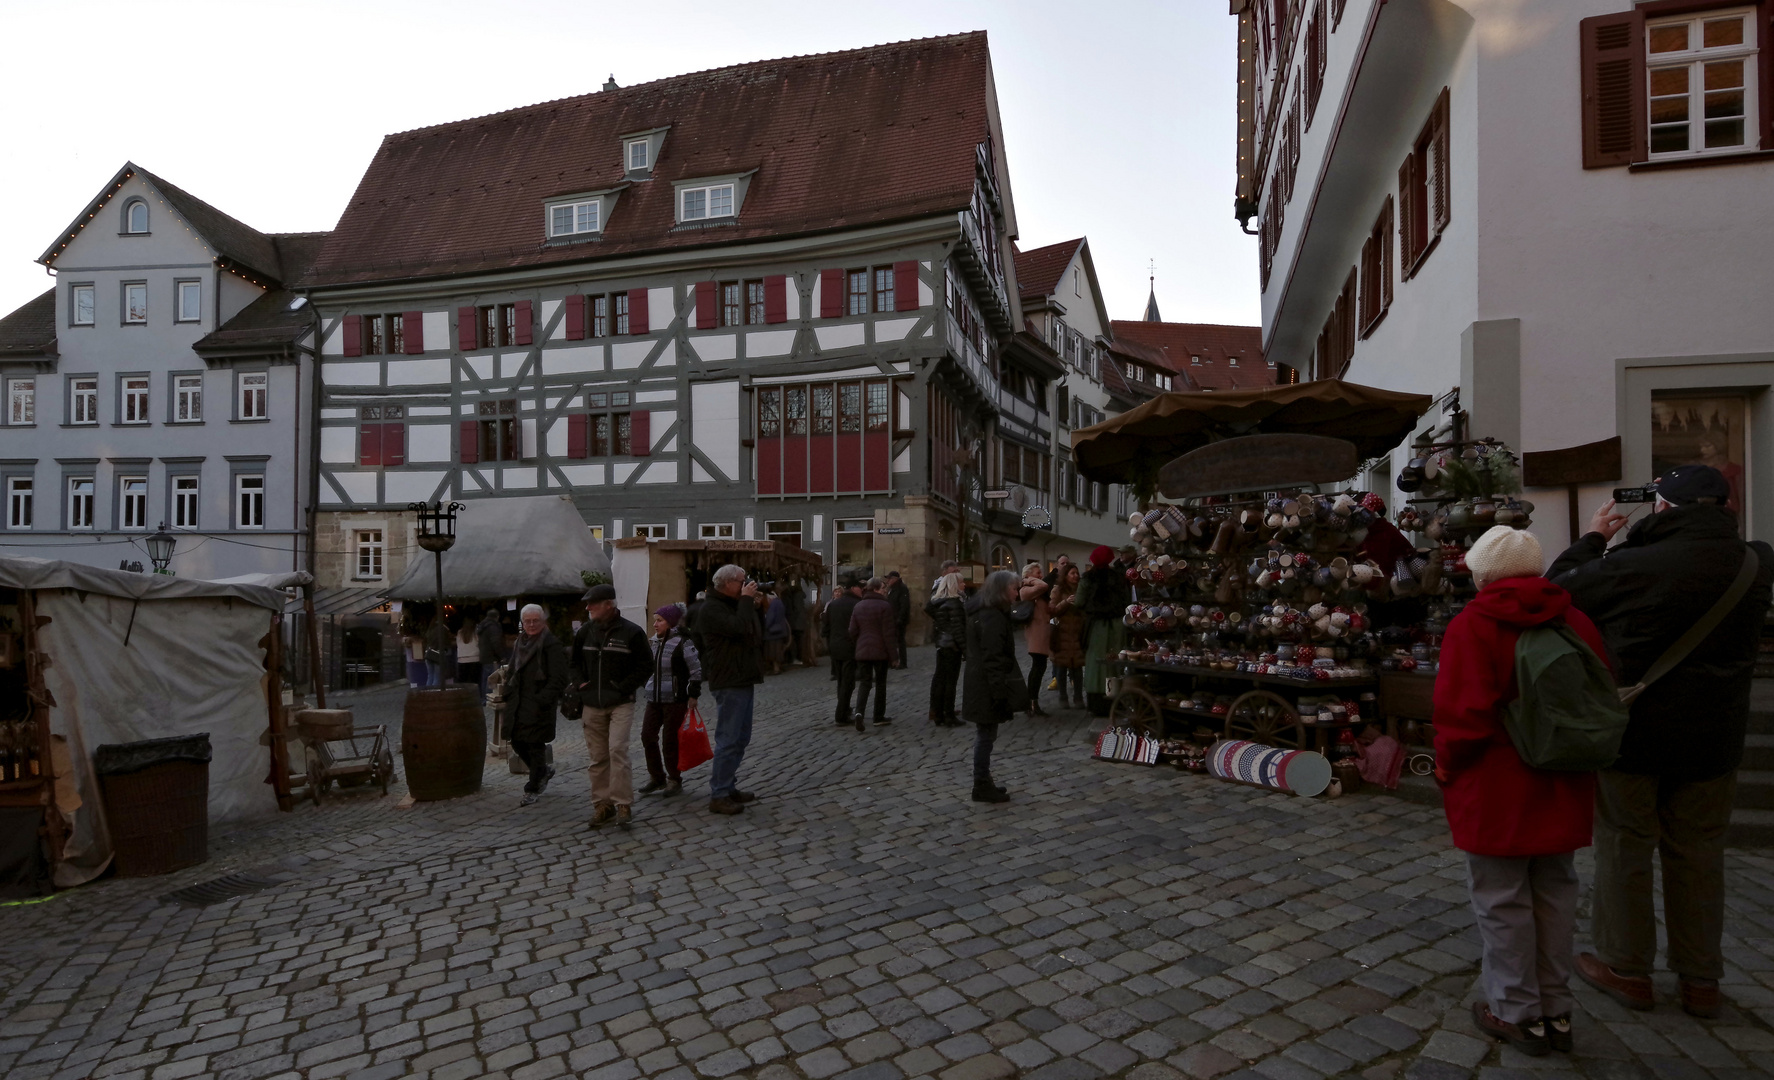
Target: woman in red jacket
column 1519, row 826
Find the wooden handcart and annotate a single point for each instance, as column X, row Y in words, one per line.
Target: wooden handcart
column 351, row 759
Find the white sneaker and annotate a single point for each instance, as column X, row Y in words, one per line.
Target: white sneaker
column 529, row 798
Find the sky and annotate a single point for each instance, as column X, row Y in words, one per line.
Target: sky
column 1118, row 115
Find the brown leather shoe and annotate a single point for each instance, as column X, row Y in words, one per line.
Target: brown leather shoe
column 1529, row 1038
column 602, row 814
column 724, row 806
column 1632, row 991
column 742, row 796
column 1700, row 997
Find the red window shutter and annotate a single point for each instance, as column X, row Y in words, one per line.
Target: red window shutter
column 369, row 444
column 412, row 331
column 470, row 436
column 576, row 425
column 640, row 434
column 353, row 335
column 575, row 318
column 467, row 332
column 394, row 444
column 905, row 286
column 776, row 298
column 1613, row 59
column 526, row 314
column 705, row 305
column 637, row 311
column 831, row 294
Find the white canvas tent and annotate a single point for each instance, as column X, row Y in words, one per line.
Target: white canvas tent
column 509, row 547
column 131, row 657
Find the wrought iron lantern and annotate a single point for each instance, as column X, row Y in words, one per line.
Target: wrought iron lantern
column 437, row 534
column 160, row 547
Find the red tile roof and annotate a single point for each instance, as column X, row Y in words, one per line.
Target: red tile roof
column 843, row 139
column 1038, row 270
column 1216, row 344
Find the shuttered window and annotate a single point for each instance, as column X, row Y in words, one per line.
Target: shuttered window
column 1376, row 271
column 831, row 294
column 1613, row 89
column 1423, row 196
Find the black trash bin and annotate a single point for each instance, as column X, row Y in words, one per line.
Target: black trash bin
column 156, row 796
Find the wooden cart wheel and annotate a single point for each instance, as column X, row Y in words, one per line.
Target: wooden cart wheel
column 1138, row 710
column 311, row 762
column 1263, row 716
column 385, row 768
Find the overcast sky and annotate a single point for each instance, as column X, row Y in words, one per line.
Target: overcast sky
column 1118, row 115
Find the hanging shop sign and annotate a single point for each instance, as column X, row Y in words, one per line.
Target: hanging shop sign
column 1258, row 463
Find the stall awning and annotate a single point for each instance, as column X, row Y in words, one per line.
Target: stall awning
column 338, row 602
column 264, row 590
column 1133, row 445
column 507, row 547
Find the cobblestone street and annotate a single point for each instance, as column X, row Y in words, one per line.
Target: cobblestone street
column 862, row 920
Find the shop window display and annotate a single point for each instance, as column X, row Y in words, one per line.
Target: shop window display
column 1700, row 430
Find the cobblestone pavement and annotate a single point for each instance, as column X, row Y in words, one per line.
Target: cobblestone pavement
column 862, row 920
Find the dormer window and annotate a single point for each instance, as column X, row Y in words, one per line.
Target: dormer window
column 699, row 203
column 636, row 153
column 1233, row 360
column 1194, row 359
column 575, row 218
column 135, row 217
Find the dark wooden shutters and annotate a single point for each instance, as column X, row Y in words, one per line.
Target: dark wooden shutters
column 467, row 328
column 831, row 294
column 776, row 298
column 369, row 444
column 394, row 444
column 1440, row 210
column 353, row 332
column 640, row 434
column 1407, row 200
column 905, row 285
column 707, row 315
column 525, row 323
column 469, row 434
column 637, row 311
column 575, row 318
column 577, row 425
column 1613, row 59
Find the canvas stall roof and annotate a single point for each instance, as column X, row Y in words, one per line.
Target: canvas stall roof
column 344, row 601
column 262, row 590
column 534, row 545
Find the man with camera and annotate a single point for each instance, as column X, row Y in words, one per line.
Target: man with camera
column 1680, row 603
column 732, row 646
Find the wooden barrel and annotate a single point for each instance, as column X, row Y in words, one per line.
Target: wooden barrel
column 443, row 739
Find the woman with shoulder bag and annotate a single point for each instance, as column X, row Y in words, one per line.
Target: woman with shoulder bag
column 948, row 616
column 1033, row 591
column 994, row 691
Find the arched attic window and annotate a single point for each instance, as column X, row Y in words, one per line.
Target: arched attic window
column 135, row 216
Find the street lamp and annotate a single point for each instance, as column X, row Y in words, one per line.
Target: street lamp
column 437, row 534
column 160, row 547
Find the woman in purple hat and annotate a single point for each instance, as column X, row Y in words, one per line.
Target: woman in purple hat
column 676, row 680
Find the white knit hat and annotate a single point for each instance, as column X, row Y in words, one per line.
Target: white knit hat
column 1505, row 552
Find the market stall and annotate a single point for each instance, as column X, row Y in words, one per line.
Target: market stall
column 93, row 658
column 651, row 573
column 1271, row 600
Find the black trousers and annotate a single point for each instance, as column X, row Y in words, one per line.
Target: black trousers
column 899, row 634
column 872, row 674
column 535, row 755
column 1037, row 668
column 1074, row 675
column 943, row 683
column 984, row 735
column 846, row 671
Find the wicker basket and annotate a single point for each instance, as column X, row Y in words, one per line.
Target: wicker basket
column 158, row 817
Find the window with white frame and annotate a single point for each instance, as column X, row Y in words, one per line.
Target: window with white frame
column 253, row 387
column 249, row 501
column 134, row 391
column 80, row 305
column 721, row 531
column 190, row 301
column 132, row 498
column 187, row 399
column 80, row 502
column 1702, row 72
column 184, row 502
column 19, row 491
column 789, row 532
column 572, row 218
column 637, row 152
column 135, row 303
column 369, row 546
column 83, row 401
column 21, row 401
column 597, row 532
column 135, row 217
column 650, row 532
column 698, row 203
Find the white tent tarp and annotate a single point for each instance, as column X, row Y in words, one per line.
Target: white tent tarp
column 193, row 663
column 509, row 547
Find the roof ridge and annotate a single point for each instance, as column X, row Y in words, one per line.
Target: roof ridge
column 657, row 83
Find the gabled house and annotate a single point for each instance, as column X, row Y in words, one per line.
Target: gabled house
column 147, row 387
column 1201, row 356
column 766, row 301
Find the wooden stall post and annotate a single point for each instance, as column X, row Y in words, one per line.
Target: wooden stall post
column 1591, row 463
column 280, row 768
column 314, row 673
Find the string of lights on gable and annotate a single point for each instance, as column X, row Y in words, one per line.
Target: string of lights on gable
column 105, row 200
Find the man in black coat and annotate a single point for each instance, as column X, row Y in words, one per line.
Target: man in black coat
column 533, row 684
column 900, row 598
column 610, row 661
column 993, row 689
column 794, row 609
column 841, row 648
column 1673, row 785
column 733, row 646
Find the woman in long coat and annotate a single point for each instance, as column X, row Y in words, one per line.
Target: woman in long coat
column 536, row 678
column 1038, row 635
column 948, row 620
column 993, row 690
column 1068, row 636
column 1103, row 597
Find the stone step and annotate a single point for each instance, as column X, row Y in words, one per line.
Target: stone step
column 1761, row 721
column 1758, row 751
column 1750, row 829
column 1755, row 789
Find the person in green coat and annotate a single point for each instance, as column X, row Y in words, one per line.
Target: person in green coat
column 1102, row 597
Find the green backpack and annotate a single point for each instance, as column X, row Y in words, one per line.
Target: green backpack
column 1569, row 717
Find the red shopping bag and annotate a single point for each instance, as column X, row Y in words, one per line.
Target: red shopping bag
column 693, row 748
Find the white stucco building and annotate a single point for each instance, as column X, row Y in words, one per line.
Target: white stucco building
column 1558, row 208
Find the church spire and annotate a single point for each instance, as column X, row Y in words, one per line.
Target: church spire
column 1152, row 296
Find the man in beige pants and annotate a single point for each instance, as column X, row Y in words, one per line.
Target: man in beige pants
column 610, row 661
